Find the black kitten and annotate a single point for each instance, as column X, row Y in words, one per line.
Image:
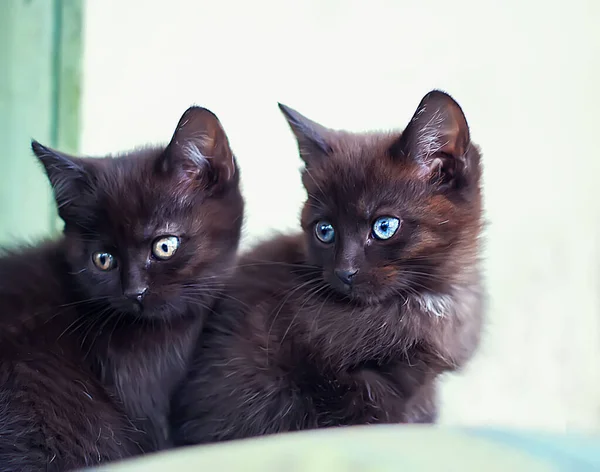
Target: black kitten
column 352, row 321
column 96, row 327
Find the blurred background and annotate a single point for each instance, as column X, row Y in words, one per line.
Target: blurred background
column 97, row 77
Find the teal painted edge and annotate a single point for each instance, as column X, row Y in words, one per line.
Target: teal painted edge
column 67, row 50
column 567, row 452
column 56, row 72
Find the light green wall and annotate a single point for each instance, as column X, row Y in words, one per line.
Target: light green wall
column 40, row 50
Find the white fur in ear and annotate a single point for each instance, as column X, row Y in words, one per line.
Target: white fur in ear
column 437, row 137
column 429, row 135
column 192, row 152
column 200, row 144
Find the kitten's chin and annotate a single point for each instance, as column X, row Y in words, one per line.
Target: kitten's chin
column 367, row 298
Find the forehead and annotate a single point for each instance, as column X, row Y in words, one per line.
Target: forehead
column 363, row 183
column 133, row 204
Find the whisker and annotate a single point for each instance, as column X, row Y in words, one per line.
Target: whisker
column 309, row 296
column 99, row 330
column 281, row 305
column 317, row 316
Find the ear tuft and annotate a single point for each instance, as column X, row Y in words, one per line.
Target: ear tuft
column 68, row 176
column 311, row 136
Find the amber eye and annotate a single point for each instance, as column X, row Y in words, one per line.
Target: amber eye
column 104, row 261
column 164, row 248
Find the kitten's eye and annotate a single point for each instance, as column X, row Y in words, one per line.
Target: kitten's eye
column 385, row 227
column 104, row 261
column 325, row 232
column 165, row 248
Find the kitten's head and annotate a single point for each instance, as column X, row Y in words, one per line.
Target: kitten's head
column 153, row 231
column 392, row 214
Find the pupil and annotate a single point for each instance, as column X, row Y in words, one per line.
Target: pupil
column 164, row 247
column 103, row 259
column 384, row 226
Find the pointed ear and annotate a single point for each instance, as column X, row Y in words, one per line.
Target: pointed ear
column 438, row 139
column 199, row 148
column 311, row 136
column 68, row 175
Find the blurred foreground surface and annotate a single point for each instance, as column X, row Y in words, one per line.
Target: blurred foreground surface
column 384, row 448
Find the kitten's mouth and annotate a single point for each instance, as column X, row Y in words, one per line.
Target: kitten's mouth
column 339, row 286
column 129, row 306
column 137, row 308
column 354, row 292
column 157, row 308
column 361, row 294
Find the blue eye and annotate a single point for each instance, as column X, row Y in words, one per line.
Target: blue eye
column 385, row 227
column 325, row 232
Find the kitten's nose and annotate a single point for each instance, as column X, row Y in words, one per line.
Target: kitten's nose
column 346, row 275
column 136, row 294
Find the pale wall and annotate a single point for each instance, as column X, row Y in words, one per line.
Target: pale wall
column 526, row 74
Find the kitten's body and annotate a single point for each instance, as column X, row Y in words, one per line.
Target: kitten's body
column 295, row 349
column 89, row 357
column 81, row 362
column 54, row 412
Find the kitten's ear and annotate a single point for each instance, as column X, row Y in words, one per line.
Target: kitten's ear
column 311, row 136
column 438, row 139
column 200, row 148
column 69, row 176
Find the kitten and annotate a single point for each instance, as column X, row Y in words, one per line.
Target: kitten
column 352, row 321
column 97, row 326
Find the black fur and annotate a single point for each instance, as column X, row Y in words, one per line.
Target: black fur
column 87, row 367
